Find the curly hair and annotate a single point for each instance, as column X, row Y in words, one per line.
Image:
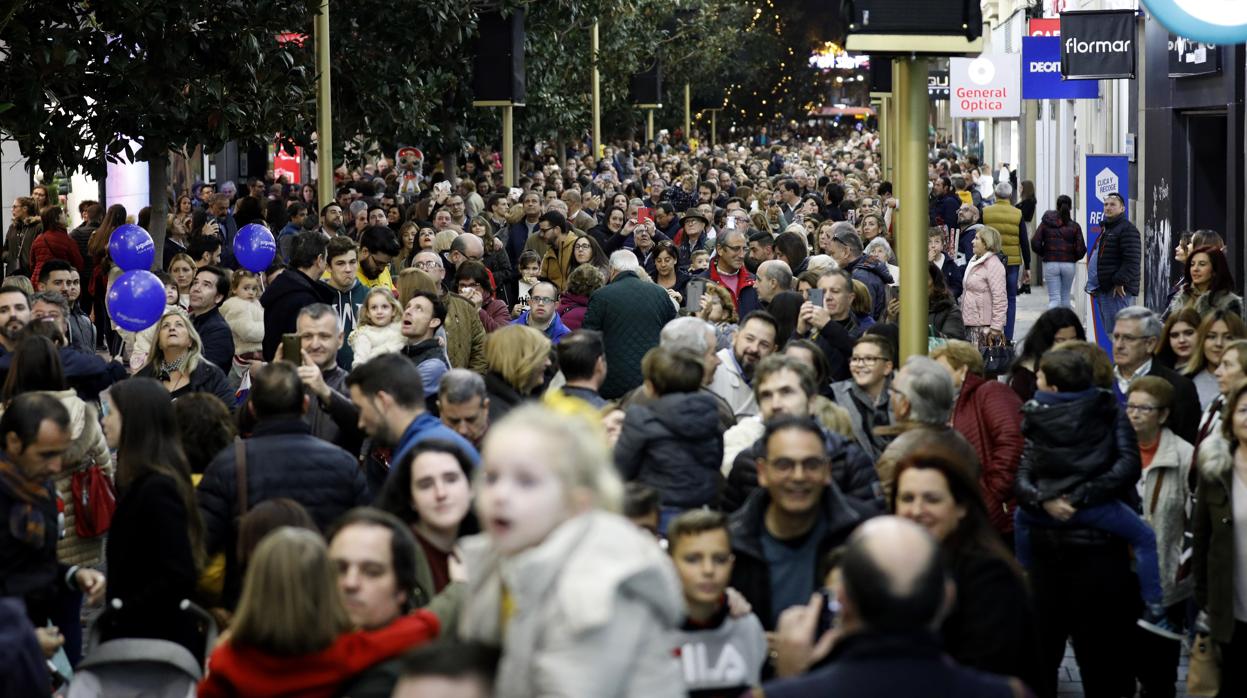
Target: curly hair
column 584, row 280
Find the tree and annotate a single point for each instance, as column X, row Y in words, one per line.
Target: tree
column 128, row 80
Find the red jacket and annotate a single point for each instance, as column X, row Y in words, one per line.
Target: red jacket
column 988, row 414
column 50, row 245
column 237, row 670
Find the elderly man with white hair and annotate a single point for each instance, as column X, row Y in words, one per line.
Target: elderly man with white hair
column 630, row 312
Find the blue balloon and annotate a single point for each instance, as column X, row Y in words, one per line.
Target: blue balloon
column 254, row 247
column 131, row 247
column 136, row 300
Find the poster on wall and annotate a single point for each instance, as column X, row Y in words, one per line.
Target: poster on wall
column 1098, row 44
column 1158, row 244
column 1103, row 175
column 1188, row 58
column 985, row 87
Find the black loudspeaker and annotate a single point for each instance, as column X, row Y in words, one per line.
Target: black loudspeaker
column 955, row 18
column 498, row 71
column 646, row 87
column 947, row 27
column 880, row 74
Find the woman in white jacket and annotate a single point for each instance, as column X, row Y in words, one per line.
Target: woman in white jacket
column 581, row 602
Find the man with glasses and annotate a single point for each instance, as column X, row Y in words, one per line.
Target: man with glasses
column 728, row 270
column 866, row 395
column 465, row 248
column 458, row 211
column 1136, row 331
column 556, row 261
column 542, row 315
column 787, row 525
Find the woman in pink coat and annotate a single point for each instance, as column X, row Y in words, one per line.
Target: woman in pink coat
column 983, row 302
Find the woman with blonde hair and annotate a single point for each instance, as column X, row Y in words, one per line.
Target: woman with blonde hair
column 573, row 593
column 517, row 357
column 292, row 635
column 177, row 360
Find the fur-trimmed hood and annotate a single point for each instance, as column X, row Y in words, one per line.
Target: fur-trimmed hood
column 1215, row 457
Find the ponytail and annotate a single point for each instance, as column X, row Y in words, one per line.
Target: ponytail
column 1063, row 207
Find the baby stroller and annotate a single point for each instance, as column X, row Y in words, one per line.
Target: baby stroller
column 133, row 667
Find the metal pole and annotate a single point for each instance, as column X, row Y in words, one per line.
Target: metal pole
column 324, row 114
column 597, row 98
column 508, row 149
column 649, row 125
column 688, row 135
column 714, row 113
column 911, row 231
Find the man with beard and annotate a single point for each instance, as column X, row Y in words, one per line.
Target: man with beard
column 377, row 248
column 14, row 316
column 389, row 394
column 754, row 341
column 967, row 227
column 331, row 220
column 423, row 315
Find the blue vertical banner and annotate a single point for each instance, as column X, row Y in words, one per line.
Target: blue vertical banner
column 1103, row 175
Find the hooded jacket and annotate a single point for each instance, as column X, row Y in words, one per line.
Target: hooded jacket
column 1080, row 445
column 984, row 298
column 674, row 445
column 751, row 575
column 289, row 293
column 1055, row 241
column 572, row 309
column 349, row 305
column 944, row 315
column 597, row 606
column 1119, row 248
column 877, row 278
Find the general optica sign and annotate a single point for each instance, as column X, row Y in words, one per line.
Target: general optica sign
column 985, row 87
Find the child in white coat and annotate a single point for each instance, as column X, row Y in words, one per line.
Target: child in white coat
column 245, row 316
column 380, row 330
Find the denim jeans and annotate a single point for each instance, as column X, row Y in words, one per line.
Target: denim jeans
column 1107, row 306
column 1112, row 517
column 1059, row 278
column 1011, row 290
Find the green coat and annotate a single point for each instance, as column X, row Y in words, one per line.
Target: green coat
column 630, row 312
column 1214, row 537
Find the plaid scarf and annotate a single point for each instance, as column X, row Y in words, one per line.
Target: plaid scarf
column 26, row 519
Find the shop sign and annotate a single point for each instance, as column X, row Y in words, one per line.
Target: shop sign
column 1041, row 72
column 1098, row 44
column 985, row 87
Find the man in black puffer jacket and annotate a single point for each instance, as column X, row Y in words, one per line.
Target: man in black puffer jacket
column 283, row 459
column 673, row 443
column 1113, row 269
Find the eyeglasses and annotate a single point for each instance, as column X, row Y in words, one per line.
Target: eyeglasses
column 1118, row 338
column 813, row 465
column 735, row 248
column 542, row 300
column 865, row 359
column 1145, row 409
column 427, row 265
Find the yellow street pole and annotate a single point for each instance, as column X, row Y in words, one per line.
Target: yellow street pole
column 649, row 125
column 687, row 115
column 508, row 148
column 324, row 115
column 911, row 230
column 713, row 114
column 598, row 151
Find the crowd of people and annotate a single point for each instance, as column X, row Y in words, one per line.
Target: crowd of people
column 636, row 426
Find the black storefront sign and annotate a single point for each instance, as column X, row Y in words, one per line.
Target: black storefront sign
column 937, row 85
column 1098, row 44
column 1188, row 58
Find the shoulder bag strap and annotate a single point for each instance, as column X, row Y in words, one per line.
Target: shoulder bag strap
column 240, row 469
column 1160, row 480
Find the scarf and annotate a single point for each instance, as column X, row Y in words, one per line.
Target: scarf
column 26, row 519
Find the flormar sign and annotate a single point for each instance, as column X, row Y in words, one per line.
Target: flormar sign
column 1098, row 44
column 987, row 86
